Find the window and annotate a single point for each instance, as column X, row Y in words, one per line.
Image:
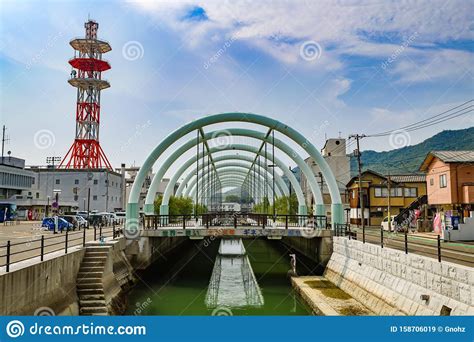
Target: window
column 76, row 181
column 96, row 181
column 431, row 181
column 58, row 181
column 411, row 192
column 378, row 192
column 396, row 192
column 76, row 198
column 94, row 198
column 442, row 181
column 37, row 195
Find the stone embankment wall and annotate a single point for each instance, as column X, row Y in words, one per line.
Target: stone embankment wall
column 390, row 282
column 52, row 284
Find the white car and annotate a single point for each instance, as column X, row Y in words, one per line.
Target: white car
column 392, row 223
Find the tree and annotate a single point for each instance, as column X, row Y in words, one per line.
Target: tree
column 179, row 206
column 232, row 198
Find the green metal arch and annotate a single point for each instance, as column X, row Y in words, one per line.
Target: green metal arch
column 240, row 168
column 132, row 206
column 278, row 180
column 319, row 208
column 291, row 177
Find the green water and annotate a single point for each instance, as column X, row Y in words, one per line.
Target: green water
column 178, row 284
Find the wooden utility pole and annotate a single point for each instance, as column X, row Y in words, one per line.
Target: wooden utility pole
column 361, row 197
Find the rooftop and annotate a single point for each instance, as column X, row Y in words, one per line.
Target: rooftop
column 448, row 157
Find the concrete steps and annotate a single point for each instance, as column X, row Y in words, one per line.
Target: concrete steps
column 90, row 289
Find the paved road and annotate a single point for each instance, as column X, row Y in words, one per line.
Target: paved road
column 25, row 240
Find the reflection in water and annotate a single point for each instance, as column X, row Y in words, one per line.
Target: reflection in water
column 233, row 283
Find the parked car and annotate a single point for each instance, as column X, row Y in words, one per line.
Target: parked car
column 83, row 214
column 49, row 222
column 392, row 223
column 97, row 220
column 83, row 223
column 72, row 220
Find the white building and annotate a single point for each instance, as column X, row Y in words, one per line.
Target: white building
column 334, row 152
column 98, row 189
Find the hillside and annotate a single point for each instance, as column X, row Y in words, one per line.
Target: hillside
column 408, row 159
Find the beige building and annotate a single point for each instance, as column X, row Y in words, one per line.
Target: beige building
column 334, row 152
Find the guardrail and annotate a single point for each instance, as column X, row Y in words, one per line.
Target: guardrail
column 236, row 220
column 13, row 252
column 383, row 241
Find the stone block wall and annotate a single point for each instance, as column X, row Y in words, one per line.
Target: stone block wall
column 390, row 282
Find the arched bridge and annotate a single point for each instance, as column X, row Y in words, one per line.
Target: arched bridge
column 207, row 162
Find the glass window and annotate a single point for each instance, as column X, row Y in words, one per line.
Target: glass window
column 76, row 181
column 442, row 181
column 431, row 181
column 94, row 197
column 96, row 181
column 410, row 192
column 58, row 181
column 378, row 192
column 76, row 198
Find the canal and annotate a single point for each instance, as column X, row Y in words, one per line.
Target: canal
column 198, row 280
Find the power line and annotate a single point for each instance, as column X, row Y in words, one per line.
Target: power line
column 429, row 121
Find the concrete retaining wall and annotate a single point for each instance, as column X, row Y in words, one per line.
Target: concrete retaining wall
column 318, row 249
column 390, row 282
column 51, row 283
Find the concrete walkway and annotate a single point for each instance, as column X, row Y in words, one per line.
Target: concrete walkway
column 327, row 299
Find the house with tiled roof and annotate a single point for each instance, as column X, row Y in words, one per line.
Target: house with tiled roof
column 450, row 180
column 404, row 189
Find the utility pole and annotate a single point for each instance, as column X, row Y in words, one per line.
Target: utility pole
column 4, row 140
column 388, row 205
column 361, row 197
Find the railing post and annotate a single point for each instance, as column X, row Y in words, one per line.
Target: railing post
column 406, row 241
column 95, row 232
column 363, row 234
column 381, row 237
column 439, row 248
column 113, row 232
column 83, row 238
column 42, row 247
column 286, row 221
column 184, row 221
column 8, row 256
column 235, row 221
column 65, row 241
column 100, row 232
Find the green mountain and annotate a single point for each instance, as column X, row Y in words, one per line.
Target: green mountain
column 408, row 159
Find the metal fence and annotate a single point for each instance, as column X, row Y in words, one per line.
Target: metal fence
column 40, row 245
column 235, row 220
column 394, row 242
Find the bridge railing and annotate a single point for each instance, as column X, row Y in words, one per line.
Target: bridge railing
column 235, row 220
column 40, row 245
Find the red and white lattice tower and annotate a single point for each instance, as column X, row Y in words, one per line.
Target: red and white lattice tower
column 86, row 153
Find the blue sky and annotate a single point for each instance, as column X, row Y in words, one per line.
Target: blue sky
column 377, row 65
